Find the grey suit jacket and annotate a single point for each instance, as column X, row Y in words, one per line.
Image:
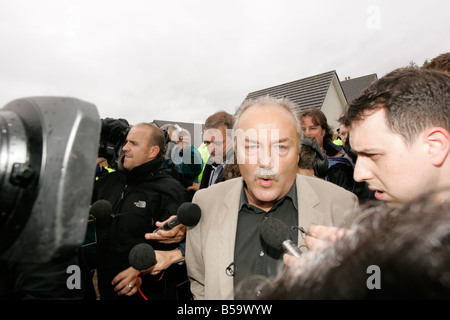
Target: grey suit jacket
column 210, row 244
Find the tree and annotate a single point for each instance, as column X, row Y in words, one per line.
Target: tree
column 425, row 63
column 412, row 65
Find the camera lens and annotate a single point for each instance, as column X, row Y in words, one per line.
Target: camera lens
column 48, row 147
column 15, row 176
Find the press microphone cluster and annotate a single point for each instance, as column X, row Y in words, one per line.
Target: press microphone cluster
column 142, row 256
column 279, row 236
column 188, row 214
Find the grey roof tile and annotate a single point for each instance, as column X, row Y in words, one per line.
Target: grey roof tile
column 306, row 93
column 353, row 87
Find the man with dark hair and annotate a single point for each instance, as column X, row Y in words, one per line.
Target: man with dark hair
column 141, row 194
column 400, row 130
column 218, row 139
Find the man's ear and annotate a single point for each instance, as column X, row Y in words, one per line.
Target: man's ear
column 153, row 152
column 438, row 140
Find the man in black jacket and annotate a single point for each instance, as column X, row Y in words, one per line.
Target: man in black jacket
column 141, row 194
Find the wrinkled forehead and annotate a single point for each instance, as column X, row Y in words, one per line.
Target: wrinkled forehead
column 266, row 123
column 266, row 116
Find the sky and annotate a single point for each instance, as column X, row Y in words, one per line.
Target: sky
column 183, row 60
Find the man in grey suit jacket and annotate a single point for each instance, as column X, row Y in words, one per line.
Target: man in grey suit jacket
column 225, row 249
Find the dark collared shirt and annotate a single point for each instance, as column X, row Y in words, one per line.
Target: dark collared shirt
column 216, row 171
column 254, row 260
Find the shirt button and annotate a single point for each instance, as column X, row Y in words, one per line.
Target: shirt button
column 261, row 253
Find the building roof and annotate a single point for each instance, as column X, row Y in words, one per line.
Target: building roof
column 306, row 93
column 353, row 87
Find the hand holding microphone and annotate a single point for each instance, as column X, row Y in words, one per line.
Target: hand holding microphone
column 279, row 236
column 188, row 214
column 142, row 257
column 146, row 260
column 173, row 230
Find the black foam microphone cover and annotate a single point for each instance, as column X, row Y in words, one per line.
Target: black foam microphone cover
column 274, row 232
column 101, row 209
column 142, row 256
column 189, row 214
column 279, row 236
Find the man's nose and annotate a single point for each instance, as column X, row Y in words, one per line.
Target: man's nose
column 212, row 149
column 265, row 158
column 307, row 132
column 361, row 171
column 125, row 147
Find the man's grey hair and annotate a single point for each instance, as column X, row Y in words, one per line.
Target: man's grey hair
column 268, row 100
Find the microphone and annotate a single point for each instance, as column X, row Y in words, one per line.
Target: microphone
column 142, row 256
column 231, row 270
column 101, row 209
column 279, row 236
column 188, row 214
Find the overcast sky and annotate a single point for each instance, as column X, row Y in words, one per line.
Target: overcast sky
column 182, row 60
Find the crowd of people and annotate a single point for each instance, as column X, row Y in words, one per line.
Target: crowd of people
column 379, row 198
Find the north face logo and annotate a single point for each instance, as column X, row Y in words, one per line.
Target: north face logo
column 140, row 204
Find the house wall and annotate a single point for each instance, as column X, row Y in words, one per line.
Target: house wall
column 334, row 104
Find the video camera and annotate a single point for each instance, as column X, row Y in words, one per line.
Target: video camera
column 112, row 138
column 47, row 165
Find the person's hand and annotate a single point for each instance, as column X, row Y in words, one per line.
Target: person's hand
column 185, row 140
column 322, row 236
column 100, row 160
column 290, row 260
column 174, row 235
column 164, row 259
column 125, row 282
column 319, row 237
column 195, row 186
